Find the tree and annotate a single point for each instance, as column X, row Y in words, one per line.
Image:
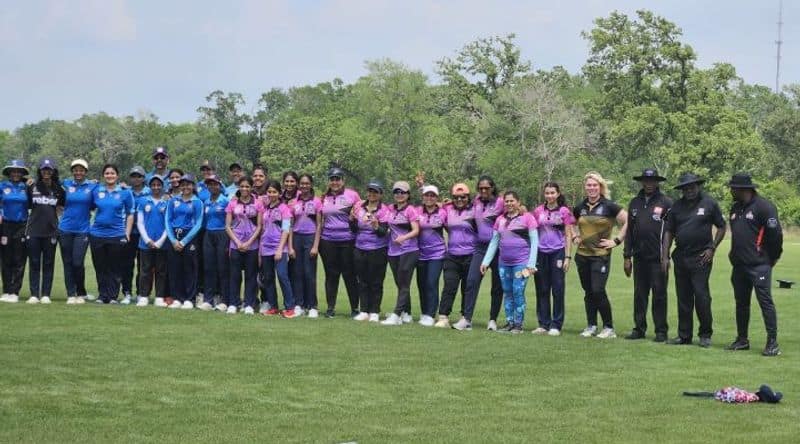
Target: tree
column 225, row 116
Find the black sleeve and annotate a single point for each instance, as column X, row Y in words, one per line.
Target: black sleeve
column 716, row 216
column 669, row 220
column 29, row 194
column 773, row 234
column 628, row 251
column 614, row 208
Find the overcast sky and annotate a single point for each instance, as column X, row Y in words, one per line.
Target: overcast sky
column 60, row 58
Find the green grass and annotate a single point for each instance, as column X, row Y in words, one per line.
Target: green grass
column 110, row 373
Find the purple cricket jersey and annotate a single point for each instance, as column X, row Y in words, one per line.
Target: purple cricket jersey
column 244, row 220
column 305, row 214
column 462, row 231
column 336, row 209
column 485, row 215
column 431, row 233
column 272, row 219
column 515, row 242
column 367, row 238
column 552, row 224
column 400, row 225
column 287, row 196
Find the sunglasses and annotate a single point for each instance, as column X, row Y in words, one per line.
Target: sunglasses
column 460, row 197
column 334, row 178
column 399, row 192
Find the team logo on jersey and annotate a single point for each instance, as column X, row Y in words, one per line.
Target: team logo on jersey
column 72, row 189
column 749, row 215
column 177, row 203
column 634, row 212
column 733, row 216
column 6, row 190
column 147, row 208
column 772, row 222
column 701, row 211
column 658, row 210
column 101, row 194
column 599, row 211
column 583, row 212
column 207, row 210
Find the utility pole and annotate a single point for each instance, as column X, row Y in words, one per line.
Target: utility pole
column 778, row 43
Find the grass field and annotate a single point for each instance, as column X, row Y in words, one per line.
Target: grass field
column 111, row 373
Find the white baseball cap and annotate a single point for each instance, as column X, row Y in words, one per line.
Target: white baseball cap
column 430, row 189
column 79, row 162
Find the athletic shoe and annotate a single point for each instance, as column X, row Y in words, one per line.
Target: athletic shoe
column 4, row 297
column 298, row 311
column 99, row 301
column 90, row 297
column 426, row 321
column 442, row 322
column 406, row 318
column 247, row 310
column 704, row 342
column 70, row 300
column 45, row 300
column 272, row 312
column 607, row 333
column 221, row 307
column 232, row 310
column 492, row 326
column 392, row 319
column 288, row 314
column 771, row 349
column 330, row 313
column 263, row 308
column 33, row 300
column 169, row 301
column 142, row 301
column 679, row 341
column 374, row 317
column 205, row 306
column 506, row 328
column 113, row 302
column 12, row 298
column 80, row 300
column 634, row 335
column 554, row 332
column 517, row 329
column 187, row 305
column 361, row 317
column 126, row 300
column 739, row 344
column 175, row 304
column 539, row 331
column 313, row 313
column 462, row 325
column 354, row 313
column 660, row 337
column 159, row 302
column 589, row 331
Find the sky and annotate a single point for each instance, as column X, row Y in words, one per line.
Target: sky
column 60, row 59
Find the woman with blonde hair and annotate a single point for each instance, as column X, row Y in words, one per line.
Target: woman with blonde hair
column 596, row 217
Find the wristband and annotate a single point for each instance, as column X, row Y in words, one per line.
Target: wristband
column 567, row 257
column 617, row 241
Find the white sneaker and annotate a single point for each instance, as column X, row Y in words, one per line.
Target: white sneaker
column 90, row 297
column 13, row 298
column 374, row 317
column 4, row 297
column 70, row 300
column 298, row 311
column 45, row 300
column 80, row 300
column 232, row 310
column 539, row 331
column 221, row 307
column 126, row 300
column 175, row 304
column 159, row 302
column 462, row 324
column 426, row 321
column 263, row 307
column 492, row 326
column 248, row 310
column 443, row 322
column 607, row 333
column 554, row 332
column 142, row 301
column 187, row 305
column 406, row 318
column 313, row 313
column 362, row 316
column 392, row 319
column 205, row 306
column 33, row 300
column 589, row 331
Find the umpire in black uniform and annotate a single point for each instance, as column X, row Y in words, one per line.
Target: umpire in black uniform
column 756, row 245
column 689, row 222
column 646, row 215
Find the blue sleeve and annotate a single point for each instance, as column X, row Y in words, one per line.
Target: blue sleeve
column 168, row 223
column 490, row 252
column 198, row 222
column 286, row 225
column 533, row 234
column 130, row 204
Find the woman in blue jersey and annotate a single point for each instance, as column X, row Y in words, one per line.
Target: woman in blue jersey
column 110, row 232
column 184, row 219
column 73, row 230
column 174, row 185
column 46, row 200
column 14, row 199
column 150, row 217
column 215, row 246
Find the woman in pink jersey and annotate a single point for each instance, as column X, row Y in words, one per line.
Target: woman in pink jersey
column 432, row 220
column 274, row 251
column 370, row 219
column 555, row 221
column 306, row 229
column 290, row 189
column 516, row 237
column 243, row 225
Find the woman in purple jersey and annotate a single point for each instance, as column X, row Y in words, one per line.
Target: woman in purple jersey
column 306, row 230
column 259, row 180
column 290, row 190
column 274, row 251
column 370, row 219
column 243, row 225
column 403, row 251
column 337, row 241
column 432, row 219
column 555, row 221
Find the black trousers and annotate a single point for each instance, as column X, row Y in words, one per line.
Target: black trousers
column 303, row 271
column 456, row 271
column 474, row 284
column 247, row 263
column 691, row 287
column 745, row 279
column 593, row 273
column 73, row 255
column 15, row 252
column 371, row 272
column 152, row 271
column 106, row 257
column 182, row 268
column 337, row 260
column 216, row 262
column 129, row 263
column 647, row 277
column 41, row 262
column 403, row 267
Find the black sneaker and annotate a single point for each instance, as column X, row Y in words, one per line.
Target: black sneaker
column 330, row 313
column 353, row 313
column 660, row 337
column 705, row 342
column 517, row 329
column 508, row 328
column 635, row 334
column 679, row 341
column 771, row 349
column 739, row 344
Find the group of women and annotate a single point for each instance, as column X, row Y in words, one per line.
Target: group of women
column 229, row 248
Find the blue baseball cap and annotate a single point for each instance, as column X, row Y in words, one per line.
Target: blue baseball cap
column 15, row 164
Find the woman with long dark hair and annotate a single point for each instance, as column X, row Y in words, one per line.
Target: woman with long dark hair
column 73, row 230
column 290, row 190
column 150, row 219
column 46, row 200
column 243, row 225
column 184, row 219
column 306, row 230
column 174, row 186
column 259, row 178
column 432, row 251
column 274, row 251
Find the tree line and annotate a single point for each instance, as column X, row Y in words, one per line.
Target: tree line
column 640, row 100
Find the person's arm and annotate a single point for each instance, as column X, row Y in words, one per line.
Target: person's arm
column 622, row 219
column 317, row 233
column 410, row 235
column 533, row 235
column 130, row 209
column 719, row 222
column 257, row 232
column 229, row 228
column 490, row 252
column 666, row 244
column 286, row 228
column 168, row 224
column 142, row 230
column 773, row 233
column 568, row 231
column 160, row 242
column 197, row 205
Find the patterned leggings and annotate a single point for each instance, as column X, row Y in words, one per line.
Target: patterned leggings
column 513, row 293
